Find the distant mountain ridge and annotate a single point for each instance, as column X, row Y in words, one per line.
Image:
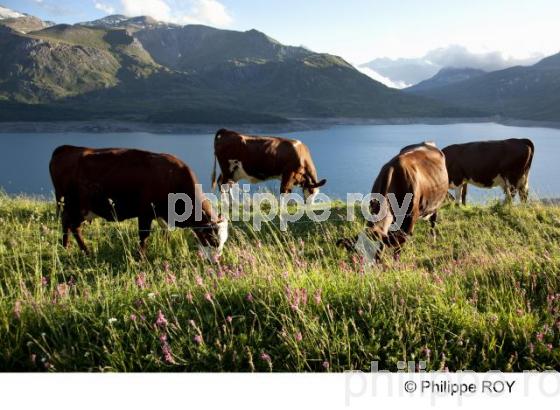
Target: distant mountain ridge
column 530, row 93
column 446, row 76
column 21, row 22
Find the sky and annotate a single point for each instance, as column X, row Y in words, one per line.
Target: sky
column 357, row 30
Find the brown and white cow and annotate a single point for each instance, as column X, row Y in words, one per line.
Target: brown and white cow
column 257, row 159
column 418, row 172
column 118, row 184
column 488, row 164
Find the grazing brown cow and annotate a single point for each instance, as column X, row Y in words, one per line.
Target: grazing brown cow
column 118, row 184
column 488, row 164
column 257, row 159
column 417, row 173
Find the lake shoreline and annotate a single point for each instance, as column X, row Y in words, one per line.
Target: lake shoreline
column 294, row 125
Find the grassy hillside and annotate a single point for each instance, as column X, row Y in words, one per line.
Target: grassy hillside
column 486, row 296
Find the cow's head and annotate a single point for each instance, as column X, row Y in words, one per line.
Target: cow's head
column 311, row 189
column 212, row 238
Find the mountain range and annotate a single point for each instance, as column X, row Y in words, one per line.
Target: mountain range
column 522, row 92
column 142, row 69
column 446, row 76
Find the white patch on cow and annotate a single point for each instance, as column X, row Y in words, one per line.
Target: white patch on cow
column 367, row 247
column 222, row 235
column 500, row 181
column 239, row 173
column 497, row 181
column 297, row 142
column 427, row 217
column 212, row 253
column 310, row 194
column 431, row 143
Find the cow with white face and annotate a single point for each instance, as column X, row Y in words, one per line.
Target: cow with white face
column 256, row 159
column 416, row 176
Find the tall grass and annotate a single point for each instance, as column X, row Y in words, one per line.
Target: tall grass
column 485, row 296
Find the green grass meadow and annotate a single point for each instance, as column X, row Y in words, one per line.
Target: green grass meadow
column 485, row 296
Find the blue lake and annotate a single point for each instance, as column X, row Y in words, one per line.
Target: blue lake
column 349, row 156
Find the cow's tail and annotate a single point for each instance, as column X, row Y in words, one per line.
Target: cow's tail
column 531, row 146
column 57, row 195
column 214, row 174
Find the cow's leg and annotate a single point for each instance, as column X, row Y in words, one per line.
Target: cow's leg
column 433, row 221
column 464, row 194
column 508, row 192
column 397, row 239
column 287, row 183
column 523, row 188
column 65, row 229
column 77, row 232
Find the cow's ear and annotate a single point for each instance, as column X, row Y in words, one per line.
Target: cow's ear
column 320, row 183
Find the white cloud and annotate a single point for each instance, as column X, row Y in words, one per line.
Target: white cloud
column 384, row 80
column 105, row 8
column 410, row 71
column 460, row 57
column 210, row 12
column 158, row 9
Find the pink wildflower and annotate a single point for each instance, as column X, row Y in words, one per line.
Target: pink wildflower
column 170, row 278
column 326, row 365
column 189, row 297
column 61, row 290
column 133, row 317
column 166, row 349
column 161, row 321
column 141, row 280
column 265, row 357
column 249, row 297
column 17, row 309
column 198, row 339
column 317, row 297
column 208, row 296
column 299, row 337
column 199, row 280
column 229, row 319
